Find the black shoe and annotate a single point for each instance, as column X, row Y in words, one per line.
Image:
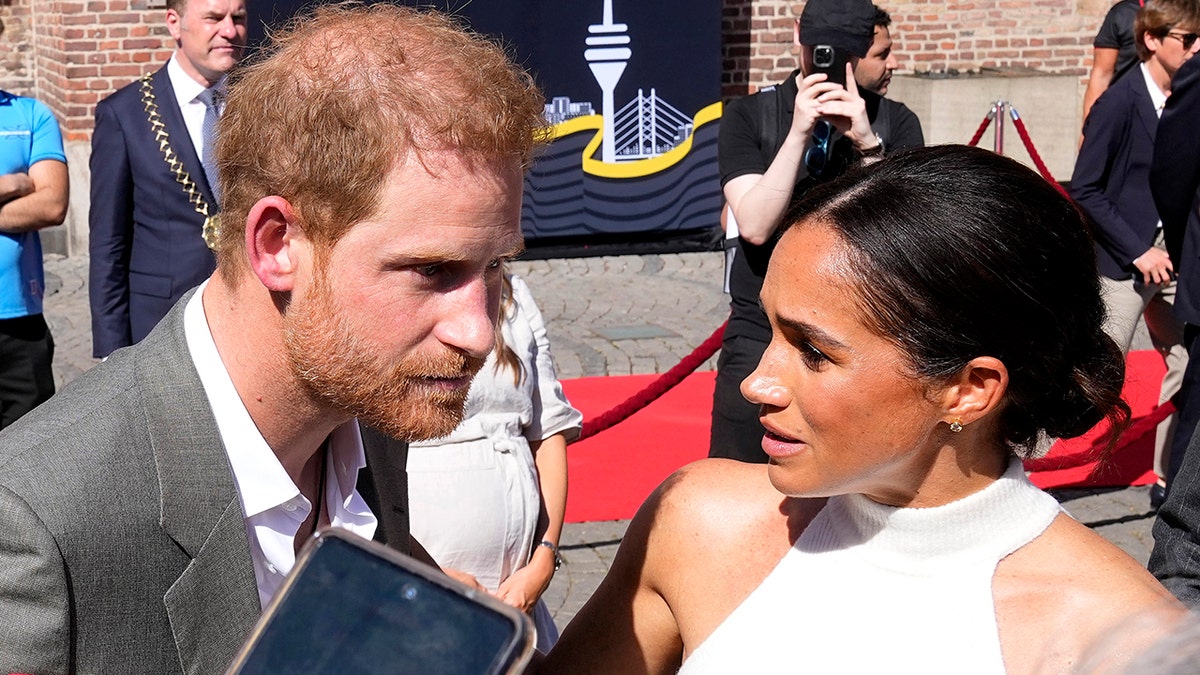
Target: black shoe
column 1158, row 494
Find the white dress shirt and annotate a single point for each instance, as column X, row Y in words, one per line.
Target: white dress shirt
column 1157, row 97
column 272, row 504
column 187, row 92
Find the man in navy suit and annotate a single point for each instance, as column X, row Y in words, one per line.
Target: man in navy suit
column 1112, row 184
column 151, row 189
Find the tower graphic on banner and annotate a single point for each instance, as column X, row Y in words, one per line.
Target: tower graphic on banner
column 646, row 126
column 607, row 59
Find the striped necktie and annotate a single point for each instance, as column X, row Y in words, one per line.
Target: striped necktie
column 211, row 99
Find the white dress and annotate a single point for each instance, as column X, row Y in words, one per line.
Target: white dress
column 474, row 496
column 869, row 588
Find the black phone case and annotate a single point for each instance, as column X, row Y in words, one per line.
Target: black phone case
column 835, row 71
column 355, row 606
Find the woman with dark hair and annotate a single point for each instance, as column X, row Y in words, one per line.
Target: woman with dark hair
column 931, row 316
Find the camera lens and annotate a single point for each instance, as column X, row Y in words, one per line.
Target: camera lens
column 823, row 56
column 408, row 592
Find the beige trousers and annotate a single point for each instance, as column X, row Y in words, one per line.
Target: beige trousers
column 1127, row 301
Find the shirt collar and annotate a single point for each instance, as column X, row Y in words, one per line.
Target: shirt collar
column 262, row 482
column 186, row 89
column 1157, row 97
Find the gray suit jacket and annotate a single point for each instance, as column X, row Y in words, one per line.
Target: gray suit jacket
column 122, row 542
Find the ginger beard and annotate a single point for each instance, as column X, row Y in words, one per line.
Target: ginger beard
column 403, row 400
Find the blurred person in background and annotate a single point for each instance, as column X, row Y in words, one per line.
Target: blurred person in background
column 1113, row 185
column 487, row 502
column 773, row 147
column 1114, row 51
column 34, row 190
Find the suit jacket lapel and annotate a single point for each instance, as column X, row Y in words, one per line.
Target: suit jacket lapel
column 181, row 142
column 383, row 484
column 1144, row 105
column 214, row 603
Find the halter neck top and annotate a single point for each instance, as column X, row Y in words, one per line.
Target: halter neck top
column 869, row 588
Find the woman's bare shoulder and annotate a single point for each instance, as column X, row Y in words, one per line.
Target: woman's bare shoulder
column 1068, row 590
column 1090, row 566
column 691, row 553
column 722, row 480
column 719, row 501
column 719, row 529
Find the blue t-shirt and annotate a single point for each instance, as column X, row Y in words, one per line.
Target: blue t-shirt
column 28, row 134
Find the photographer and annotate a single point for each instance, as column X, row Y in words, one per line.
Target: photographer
column 774, row 146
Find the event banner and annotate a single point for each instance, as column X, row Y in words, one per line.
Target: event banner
column 633, row 97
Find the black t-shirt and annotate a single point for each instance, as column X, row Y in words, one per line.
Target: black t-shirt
column 1117, row 33
column 743, row 148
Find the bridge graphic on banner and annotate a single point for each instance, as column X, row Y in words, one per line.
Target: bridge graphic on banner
column 645, row 127
column 625, row 165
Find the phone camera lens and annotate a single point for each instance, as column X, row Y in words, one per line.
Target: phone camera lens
column 408, row 592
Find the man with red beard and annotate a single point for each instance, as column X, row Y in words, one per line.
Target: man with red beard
column 371, row 172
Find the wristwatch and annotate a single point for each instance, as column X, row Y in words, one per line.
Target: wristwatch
column 876, row 150
column 558, row 561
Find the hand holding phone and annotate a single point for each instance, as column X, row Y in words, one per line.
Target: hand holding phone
column 352, row 606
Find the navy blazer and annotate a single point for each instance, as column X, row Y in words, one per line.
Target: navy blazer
column 1175, row 182
column 1112, row 175
column 146, row 245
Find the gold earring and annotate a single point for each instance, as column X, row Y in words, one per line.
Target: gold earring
column 956, row 426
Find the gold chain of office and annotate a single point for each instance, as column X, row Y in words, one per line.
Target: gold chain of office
column 212, row 223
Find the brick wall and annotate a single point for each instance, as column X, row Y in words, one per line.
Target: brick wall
column 16, row 48
column 1053, row 36
column 93, row 48
column 72, row 53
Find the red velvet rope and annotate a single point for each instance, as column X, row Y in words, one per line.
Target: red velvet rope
column 987, row 121
column 1033, row 153
column 656, row 388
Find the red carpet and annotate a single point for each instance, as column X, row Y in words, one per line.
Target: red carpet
column 612, row 473
column 1133, row 462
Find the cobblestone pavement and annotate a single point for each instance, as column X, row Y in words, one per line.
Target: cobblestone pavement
column 627, row 315
column 616, row 315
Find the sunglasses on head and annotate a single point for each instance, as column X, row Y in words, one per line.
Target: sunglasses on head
column 817, row 154
column 1188, row 39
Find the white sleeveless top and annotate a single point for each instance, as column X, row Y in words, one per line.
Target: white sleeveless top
column 869, row 588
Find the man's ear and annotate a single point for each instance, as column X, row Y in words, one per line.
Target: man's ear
column 796, row 33
column 274, row 242
column 173, row 21
column 1152, row 42
column 977, row 391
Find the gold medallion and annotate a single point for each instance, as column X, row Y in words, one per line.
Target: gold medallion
column 212, row 224
column 212, row 230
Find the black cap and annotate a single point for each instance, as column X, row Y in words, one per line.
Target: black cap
column 847, row 24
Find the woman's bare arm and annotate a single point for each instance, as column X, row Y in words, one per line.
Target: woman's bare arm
column 626, row 626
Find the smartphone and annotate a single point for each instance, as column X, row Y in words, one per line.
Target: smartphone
column 831, row 61
column 354, row 606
